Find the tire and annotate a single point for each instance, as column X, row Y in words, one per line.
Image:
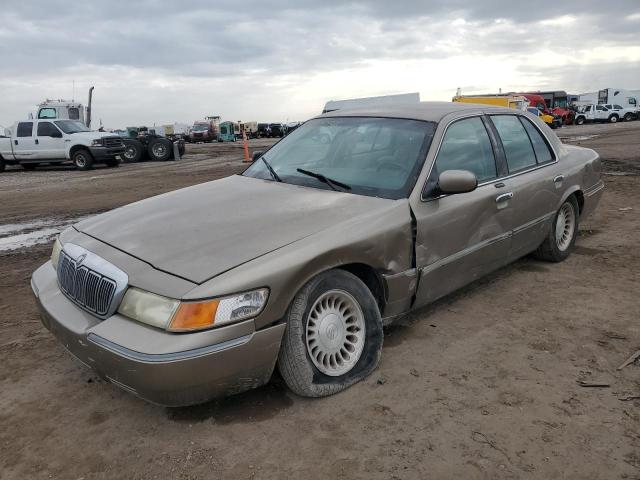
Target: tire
column 133, row 150
column 613, row 118
column 580, row 121
column 29, row 166
column 554, row 249
column 628, row 117
column 112, row 163
column 82, row 159
column 160, row 149
column 321, row 294
column 3, row 165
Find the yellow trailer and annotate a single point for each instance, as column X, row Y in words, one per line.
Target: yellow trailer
column 509, row 101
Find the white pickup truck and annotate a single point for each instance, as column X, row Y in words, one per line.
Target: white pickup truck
column 32, row 142
column 596, row 113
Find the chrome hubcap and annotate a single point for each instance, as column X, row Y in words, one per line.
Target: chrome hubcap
column 130, row 152
column 80, row 160
column 565, row 226
column 335, row 333
column 159, row 150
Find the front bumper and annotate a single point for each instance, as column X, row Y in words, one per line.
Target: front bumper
column 160, row 367
column 101, row 154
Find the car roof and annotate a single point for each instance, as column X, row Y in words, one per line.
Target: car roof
column 426, row 111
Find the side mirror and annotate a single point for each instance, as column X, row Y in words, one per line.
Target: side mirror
column 457, row 181
column 256, row 155
column 55, row 135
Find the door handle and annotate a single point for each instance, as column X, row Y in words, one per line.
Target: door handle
column 15, row 142
column 558, row 179
column 37, row 142
column 504, row 197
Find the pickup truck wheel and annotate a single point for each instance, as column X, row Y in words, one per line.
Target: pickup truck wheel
column 613, row 118
column 628, row 117
column 29, row 166
column 132, row 150
column 562, row 234
column 2, row 164
column 160, row 149
column 82, row 159
column 579, row 120
column 333, row 337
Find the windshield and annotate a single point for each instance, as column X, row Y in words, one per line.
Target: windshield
column 200, row 128
column 378, row 157
column 71, row 126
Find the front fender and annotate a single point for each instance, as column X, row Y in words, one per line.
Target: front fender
column 383, row 242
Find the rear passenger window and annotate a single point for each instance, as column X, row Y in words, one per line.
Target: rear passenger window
column 515, row 141
column 540, row 146
column 466, row 146
column 25, row 129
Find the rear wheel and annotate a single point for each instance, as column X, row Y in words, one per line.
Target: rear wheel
column 562, row 234
column 29, row 166
column 2, row 164
column 82, row 159
column 333, row 337
column 132, row 150
column 628, row 117
column 160, row 149
column 613, row 118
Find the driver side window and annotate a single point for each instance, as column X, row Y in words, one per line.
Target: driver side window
column 466, row 146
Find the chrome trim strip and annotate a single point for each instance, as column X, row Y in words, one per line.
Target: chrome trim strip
column 595, row 189
column 165, row 357
column 499, row 179
column 458, row 255
column 541, row 219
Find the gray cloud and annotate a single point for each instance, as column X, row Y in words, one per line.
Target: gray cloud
column 141, row 46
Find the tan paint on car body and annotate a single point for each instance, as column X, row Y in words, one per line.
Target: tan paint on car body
column 240, row 233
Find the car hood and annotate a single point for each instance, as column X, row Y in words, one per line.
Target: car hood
column 92, row 135
column 202, row 231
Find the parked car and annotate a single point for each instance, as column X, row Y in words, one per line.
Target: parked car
column 276, row 130
column 595, row 113
column 624, row 113
column 553, row 121
column 32, row 142
column 303, row 258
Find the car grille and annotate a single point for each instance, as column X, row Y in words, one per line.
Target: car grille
column 112, row 142
column 89, row 289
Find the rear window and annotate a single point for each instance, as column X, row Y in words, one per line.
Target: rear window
column 540, row 147
column 25, row 129
column 515, row 141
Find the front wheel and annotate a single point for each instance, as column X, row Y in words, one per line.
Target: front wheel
column 579, row 120
column 562, row 234
column 333, row 337
column 82, row 160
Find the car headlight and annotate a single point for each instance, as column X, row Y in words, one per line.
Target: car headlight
column 96, row 143
column 177, row 316
column 55, row 253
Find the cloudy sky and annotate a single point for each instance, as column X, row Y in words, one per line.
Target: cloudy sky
column 282, row 60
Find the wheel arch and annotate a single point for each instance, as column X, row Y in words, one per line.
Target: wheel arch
column 75, row 148
column 370, row 277
column 577, row 192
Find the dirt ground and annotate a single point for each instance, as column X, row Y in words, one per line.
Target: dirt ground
column 482, row 384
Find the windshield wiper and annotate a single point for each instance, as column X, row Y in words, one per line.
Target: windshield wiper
column 271, row 170
column 324, row 179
